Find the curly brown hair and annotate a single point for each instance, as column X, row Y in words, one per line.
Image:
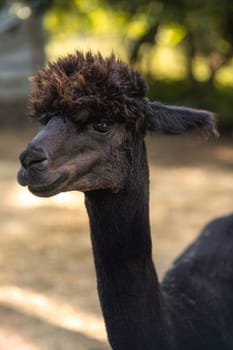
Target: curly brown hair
column 83, row 86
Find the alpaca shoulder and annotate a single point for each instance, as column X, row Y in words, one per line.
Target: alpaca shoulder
column 210, row 254
column 199, row 287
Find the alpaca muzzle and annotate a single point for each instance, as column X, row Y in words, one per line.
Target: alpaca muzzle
column 33, row 160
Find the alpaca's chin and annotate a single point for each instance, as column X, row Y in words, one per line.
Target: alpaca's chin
column 50, row 189
column 43, row 193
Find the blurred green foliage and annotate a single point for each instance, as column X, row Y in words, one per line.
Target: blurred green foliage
column 184, row 47
column 203, row 31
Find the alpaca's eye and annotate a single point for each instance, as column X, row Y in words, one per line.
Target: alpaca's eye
column 102, row 126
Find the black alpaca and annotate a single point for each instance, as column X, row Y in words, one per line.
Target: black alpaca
column 96, row 117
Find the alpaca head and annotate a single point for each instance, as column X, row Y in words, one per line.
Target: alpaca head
column 94, row 115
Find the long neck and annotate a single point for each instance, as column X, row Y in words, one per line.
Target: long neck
column 128, row 287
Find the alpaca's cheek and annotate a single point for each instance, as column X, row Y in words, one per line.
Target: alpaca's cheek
column 92, row 182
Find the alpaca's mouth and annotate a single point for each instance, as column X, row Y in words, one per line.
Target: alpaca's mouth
column 48, row 189
column 39, row 185
column 21, row 177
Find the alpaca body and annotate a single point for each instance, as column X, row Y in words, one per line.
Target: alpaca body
column 189, row 310
column 199, row 288
column 96, row 115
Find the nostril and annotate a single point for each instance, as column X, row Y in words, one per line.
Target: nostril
column 31, row 157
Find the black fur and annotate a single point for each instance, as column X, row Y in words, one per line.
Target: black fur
column 127, row 283
column 177, row 120
column 193, row 307
column 200, row 286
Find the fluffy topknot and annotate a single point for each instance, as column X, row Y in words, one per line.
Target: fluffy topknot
column 81, row 87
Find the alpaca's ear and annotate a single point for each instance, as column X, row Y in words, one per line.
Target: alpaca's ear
column 177, row 120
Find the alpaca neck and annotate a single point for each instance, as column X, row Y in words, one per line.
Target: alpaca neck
column 128, row 287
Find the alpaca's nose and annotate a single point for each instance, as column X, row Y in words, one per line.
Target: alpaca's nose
column 31, row 156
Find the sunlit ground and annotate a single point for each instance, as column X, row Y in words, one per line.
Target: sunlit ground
column 48, row 296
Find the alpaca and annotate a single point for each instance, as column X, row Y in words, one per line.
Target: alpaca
column 95, row 117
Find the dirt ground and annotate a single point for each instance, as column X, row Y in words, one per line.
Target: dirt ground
column 48, row 298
